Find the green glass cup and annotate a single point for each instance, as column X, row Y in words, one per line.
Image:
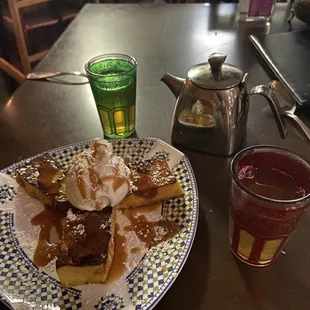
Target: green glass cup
column 112, row 78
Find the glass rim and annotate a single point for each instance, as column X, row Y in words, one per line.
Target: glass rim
column 106, row 57
column 275, row 149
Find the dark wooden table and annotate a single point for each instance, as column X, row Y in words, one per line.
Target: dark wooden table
column 41, row 116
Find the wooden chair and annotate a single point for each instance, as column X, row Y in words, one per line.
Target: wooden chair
column 14, row 10
column 21, row 26
column 12, row 71
column 13, row 76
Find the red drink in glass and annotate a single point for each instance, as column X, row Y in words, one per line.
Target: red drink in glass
column 270, row 191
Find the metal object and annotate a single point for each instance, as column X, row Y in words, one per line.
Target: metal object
column 52, row 77
column 212, row 106
column 301, row 10
column 288, row 105
column 215, row 74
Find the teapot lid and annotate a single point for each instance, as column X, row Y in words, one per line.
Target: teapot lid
column 215, row 74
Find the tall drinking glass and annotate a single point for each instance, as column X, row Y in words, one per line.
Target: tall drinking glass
column 112, row 78
column 270, row 191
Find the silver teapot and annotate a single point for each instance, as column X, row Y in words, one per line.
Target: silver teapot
column 212, row 106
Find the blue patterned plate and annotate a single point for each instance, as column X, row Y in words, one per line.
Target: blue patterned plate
column 25, row 286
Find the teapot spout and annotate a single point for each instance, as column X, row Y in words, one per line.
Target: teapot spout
column 174, row 83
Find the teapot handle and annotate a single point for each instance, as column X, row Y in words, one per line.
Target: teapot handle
column 272, row 99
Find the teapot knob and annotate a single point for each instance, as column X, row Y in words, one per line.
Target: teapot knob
column 216, row 61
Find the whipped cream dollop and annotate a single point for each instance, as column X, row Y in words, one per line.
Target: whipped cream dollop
column 96, row 178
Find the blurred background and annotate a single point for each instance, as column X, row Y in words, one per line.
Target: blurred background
column 28, row 28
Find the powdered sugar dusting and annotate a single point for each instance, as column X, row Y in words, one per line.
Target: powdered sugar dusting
column 115, row 160
column 79, row 229
column 71, row 216
column 105, row 224
column 132, row 187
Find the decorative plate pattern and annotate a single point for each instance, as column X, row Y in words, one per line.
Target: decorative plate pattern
column 24, row 285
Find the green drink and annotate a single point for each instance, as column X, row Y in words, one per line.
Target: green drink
column 112, row 78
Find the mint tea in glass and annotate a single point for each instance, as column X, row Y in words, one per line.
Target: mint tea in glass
column 112, row 78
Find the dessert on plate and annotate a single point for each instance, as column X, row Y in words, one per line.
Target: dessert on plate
column 41, row 178
column 96, row 183
column 153, row 182
column 86, row 248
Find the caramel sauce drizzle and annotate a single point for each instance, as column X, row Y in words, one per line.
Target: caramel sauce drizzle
column 47, row 173
column 93, row 179
column 150, row 233
column 135, row 250
column 120, row 256
column 147, row 193
column 81, row 181
column 118, row 183
column 49, row 177
column 46, row 251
